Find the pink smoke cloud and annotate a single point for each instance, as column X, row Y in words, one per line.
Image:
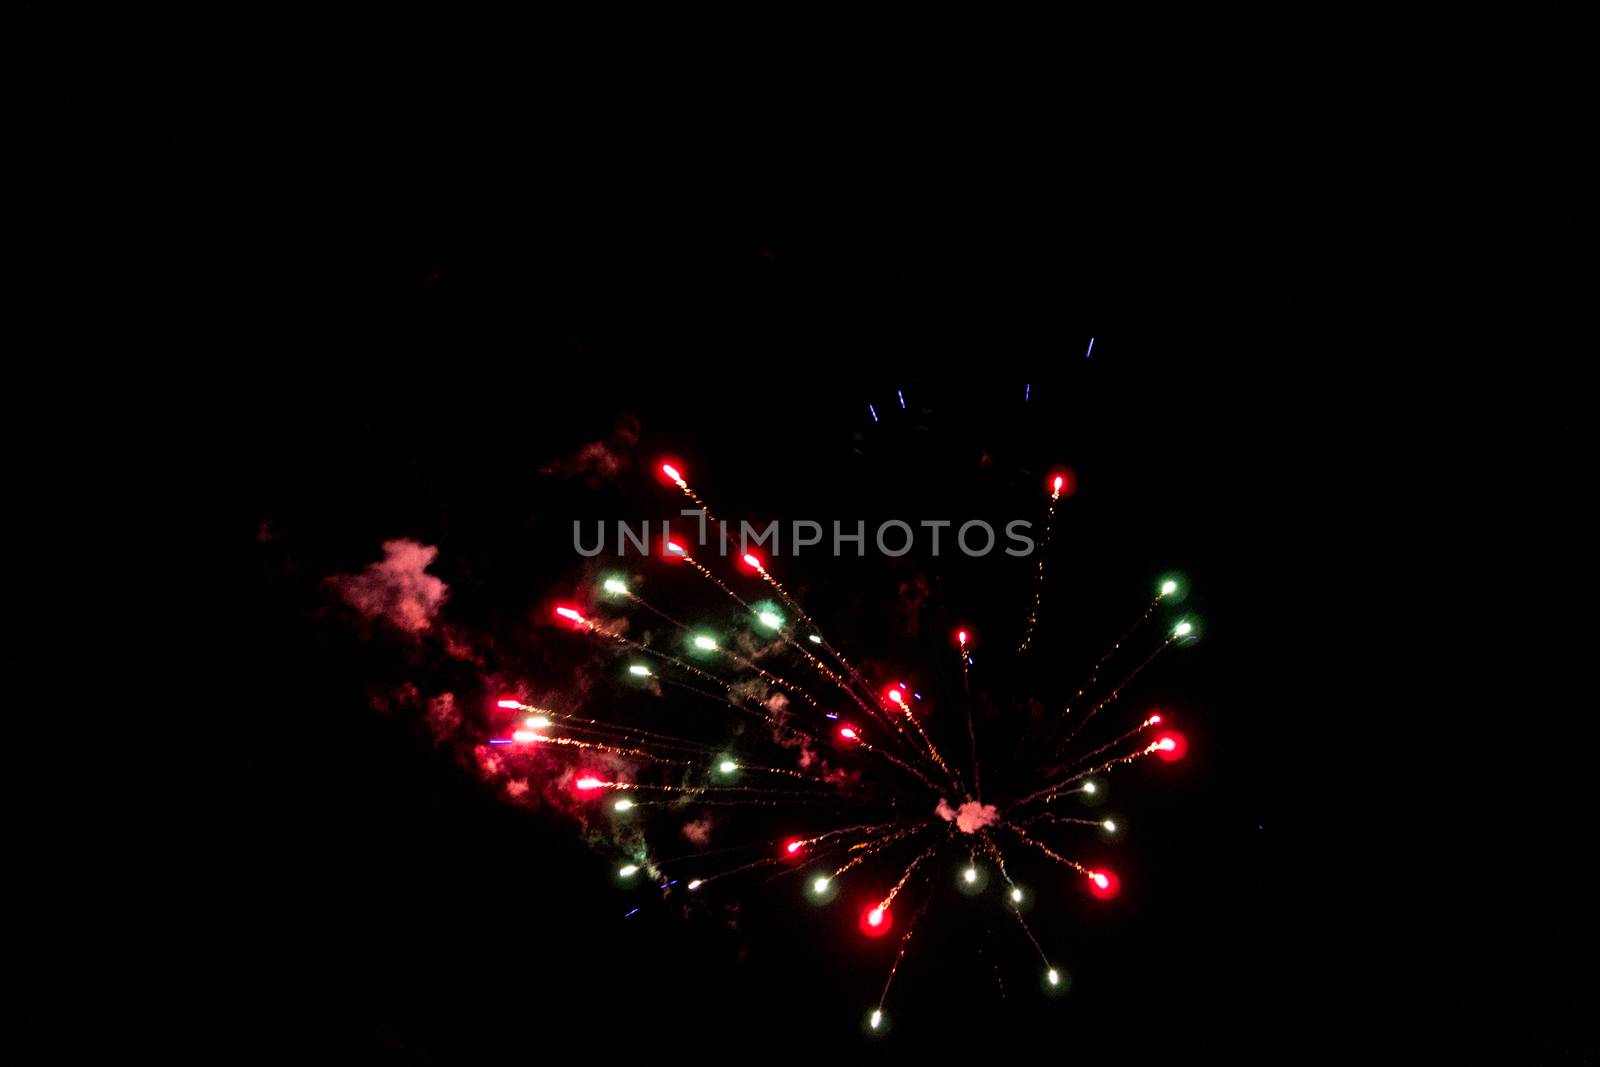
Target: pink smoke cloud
column 970, row 817
column 444, row 718
column 397, row 588
column 599, row 461
column 698, row 832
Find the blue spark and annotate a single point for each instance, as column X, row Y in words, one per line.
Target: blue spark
column 1091, row 348
column 831, row 714
column 902, row 397
column 631, row 914
column 874, row 412
column 497, row 741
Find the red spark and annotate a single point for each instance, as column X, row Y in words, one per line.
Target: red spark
column 1171, row 746
column 670, row 472
column 1104, row 884
column 961, row 636
column 588, row 783
column 876, row 920
column 894, row 696
column 751, row 561
column 1064, row 483
column 848, row 733
column 511, row 704
column 570, row 613
column 675, row 549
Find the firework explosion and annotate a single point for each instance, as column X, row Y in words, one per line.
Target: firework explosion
column 857, row 761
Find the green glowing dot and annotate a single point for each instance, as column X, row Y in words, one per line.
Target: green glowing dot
column 640, row 670
column 1169, row 587
column 727, row 766
column 770, row 619
column 614, row 585
column 705, row 642
column 629, row 871
column 1183, row 629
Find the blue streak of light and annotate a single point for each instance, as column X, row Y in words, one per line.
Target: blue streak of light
column 1091, row 348
column 902, row 397
column 874, row 412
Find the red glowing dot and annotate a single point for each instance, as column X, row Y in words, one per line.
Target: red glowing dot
column 675, row 549
column 847, row 732
column 961, row 635
column 876, row 920
column 588, row 783
column 1155, row 720
column 751, row 561
column 793, row 848
column 1171, row 746
column 570, row 613
column 671, row 472
column 894, row 696
column 511, row 703
column 1104, row 884
column 1063, row 484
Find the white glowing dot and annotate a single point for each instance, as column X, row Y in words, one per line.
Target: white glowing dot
column 970, row 874
column 1168, row 588
column 1110, row 826
column 1088, row 787
column 877, row 1017
column 1016, row 895
column 639, row 669
column 705, row 642
column 820, row 885
column 816, row 639
column 1182, row 630
column 696, row 884
column 614, row 586
column 727, row 766
column 629, row 871
column 875, row 916
column 1055, row 979
column 623, row 805
column 537, row 722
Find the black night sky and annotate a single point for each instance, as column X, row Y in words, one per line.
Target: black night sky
column 423, row 375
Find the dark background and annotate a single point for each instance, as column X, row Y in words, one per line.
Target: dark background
column 422, row 371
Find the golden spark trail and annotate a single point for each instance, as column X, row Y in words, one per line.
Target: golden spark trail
column 888, row 900
column 972, row 734
column 1038, row 575
column 1050, row 792
column 1000, row 861
column 904, row 943
column 1113, row 743
column 1095, row 674
column 1048, row 851
column 873, row 847
column 1115, row 692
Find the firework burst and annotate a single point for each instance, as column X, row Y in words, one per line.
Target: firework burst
column 857, row 760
